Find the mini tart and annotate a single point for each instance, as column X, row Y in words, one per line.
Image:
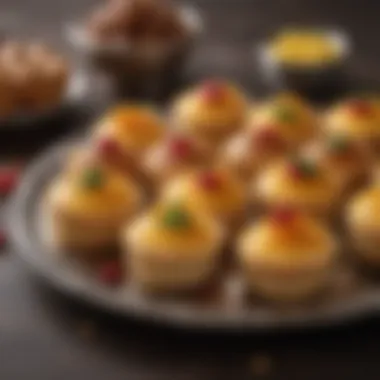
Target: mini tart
column 363, row 224
column 172, row 248
column 286, row 256
column 287, row 114
column 299, row 182
column 347, row 162
column 216, row 191
column 211, row 111
column 126, row 133
column 86, row 207
column 251, row 150
column 174, row 155
column 358, row 119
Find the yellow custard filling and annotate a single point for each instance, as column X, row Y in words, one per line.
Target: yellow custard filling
column 304, row 48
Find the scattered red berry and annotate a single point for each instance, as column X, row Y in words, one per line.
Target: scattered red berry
column 213, row 91
column 9, row 176
column 210, row 181
column 3, row 239
column 360, row 107
column 111, row 273
column 180, row 148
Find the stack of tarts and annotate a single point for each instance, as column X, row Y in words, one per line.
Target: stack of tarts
column 270, row 184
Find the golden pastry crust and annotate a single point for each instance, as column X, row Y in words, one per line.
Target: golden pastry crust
column 217, row 191
column 289, row 116
column 299, row 183
column 172, row 248
column 363, row 222
column 176, row 154
column 347, row 162
column 286, row 256
column 211, row 111
column 88, row 204
column 134, row 127
column 357, row 119
column 252, row 150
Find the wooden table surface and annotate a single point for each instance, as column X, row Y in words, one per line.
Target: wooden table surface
column 46, row 336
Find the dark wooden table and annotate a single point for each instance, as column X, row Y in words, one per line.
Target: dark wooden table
column 46, row 336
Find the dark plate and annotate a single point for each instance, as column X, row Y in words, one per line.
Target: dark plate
column 223, row 306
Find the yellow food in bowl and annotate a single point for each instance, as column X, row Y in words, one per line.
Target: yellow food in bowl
column 304, row 48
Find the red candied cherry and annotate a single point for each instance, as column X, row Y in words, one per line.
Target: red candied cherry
column 111, row 273
column 213, row 91
column 107, row 147
column 210, row 181
column 180, row 148
column 284, row 215
column 268, row 138
column 360, row 107
column 9, row 176
column 300, row 169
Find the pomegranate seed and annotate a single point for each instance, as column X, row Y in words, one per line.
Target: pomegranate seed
column 210, row 181
column 8, row 179
column 111, row 273
column 180, row 148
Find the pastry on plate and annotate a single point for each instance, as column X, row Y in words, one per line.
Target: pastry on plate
column 174, row 155
column 251, row 150
column 216, row 191
column 172, row 248
column 363, row 224
column 126, row 132
column 211, row 111
column 348, row 163
column 357, row 119
column 87, row 204
column 287, row 114
column 286, row 255
column 299, row 182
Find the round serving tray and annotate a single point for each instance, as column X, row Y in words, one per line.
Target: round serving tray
column 224, row 307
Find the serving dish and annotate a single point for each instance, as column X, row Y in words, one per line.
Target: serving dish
column 221, row 306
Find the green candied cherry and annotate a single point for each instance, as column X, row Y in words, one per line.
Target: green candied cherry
column 93, row 178
column 339, row 145
column 301, row 168
column 285, row 115
column 176, row 217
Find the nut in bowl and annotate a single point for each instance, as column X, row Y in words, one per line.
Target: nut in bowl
column 306, row 60
column 139, row 45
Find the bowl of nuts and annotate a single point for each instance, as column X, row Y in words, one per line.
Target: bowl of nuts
column 139, row 45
